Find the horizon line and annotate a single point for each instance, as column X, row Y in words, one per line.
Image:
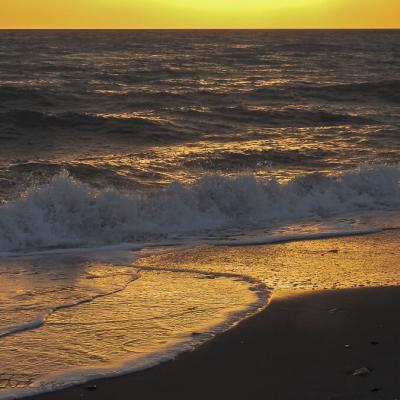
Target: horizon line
column 199, row 29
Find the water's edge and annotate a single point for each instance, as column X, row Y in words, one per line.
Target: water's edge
column 59, row 381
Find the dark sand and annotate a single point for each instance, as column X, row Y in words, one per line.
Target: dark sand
column 295, row 349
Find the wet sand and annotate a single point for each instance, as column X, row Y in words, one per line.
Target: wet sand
column 305, row 345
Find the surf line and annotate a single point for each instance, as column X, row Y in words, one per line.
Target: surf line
column 300, row 237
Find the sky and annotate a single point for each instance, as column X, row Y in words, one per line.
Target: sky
column 199, row 14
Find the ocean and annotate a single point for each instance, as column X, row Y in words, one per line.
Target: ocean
column 123, row 146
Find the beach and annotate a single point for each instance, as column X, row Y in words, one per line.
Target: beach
column 324, row 334
column 308, row 319
column 305, row 345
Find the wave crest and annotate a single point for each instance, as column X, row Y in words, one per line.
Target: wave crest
column 67, row 213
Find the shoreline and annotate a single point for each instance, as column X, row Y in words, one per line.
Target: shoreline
column 304, row 345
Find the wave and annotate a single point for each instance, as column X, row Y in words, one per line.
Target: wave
column 288, row 117
column 381, row 90
column 66, row 213
column 99, row 175
column 234, row 160
column 32, row 119
column 20, row 123
column 11, row 93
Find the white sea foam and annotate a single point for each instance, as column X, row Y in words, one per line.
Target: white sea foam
column 66, row 213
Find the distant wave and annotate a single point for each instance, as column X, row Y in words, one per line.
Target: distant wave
column 17, row 123
column 24, row 122
column 387, row 90
column 10, row 93
column 289, row 117
column 67, row 213
column 234, row 160
column 35, row 118
column 383, row 90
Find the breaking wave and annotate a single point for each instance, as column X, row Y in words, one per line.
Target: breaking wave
column 67, row 213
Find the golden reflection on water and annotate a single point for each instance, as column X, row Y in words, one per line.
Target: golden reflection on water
column 131, row 319
column 276, row 157
column 182, row 292
column 357, row 261
column 150, row 116
column 31, row 288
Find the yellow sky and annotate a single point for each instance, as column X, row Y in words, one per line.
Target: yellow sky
column 199, row 13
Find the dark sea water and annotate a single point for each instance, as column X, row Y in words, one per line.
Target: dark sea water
column 137, row 110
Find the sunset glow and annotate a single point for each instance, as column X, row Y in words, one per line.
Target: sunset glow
column 200, row 14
